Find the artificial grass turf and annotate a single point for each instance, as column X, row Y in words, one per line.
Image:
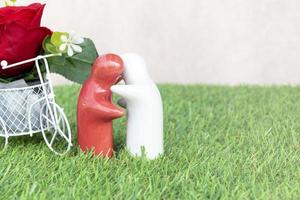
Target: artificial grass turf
column 220, row 143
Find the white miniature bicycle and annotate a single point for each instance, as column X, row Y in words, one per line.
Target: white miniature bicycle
column 32, row 109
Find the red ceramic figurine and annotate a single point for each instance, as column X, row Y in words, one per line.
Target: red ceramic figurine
column 95, row 110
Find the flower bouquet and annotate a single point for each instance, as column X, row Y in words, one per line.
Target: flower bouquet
column 22, row 37
column 28, row 53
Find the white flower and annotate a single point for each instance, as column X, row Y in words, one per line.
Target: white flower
column 71, row 43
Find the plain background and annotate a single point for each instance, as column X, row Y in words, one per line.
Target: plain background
column 191, row 41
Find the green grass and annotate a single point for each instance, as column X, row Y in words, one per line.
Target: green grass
column 220, row 143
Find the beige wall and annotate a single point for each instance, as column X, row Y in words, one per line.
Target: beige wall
column 192, row 41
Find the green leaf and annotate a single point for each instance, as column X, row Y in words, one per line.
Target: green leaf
column 76, row 68
column 89, row 52
column 56, row 38
column 48, row 46
column 10, row 2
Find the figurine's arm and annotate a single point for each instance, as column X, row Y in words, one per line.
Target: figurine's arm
column 105, row 109
column 109, row 110
column 126, row 91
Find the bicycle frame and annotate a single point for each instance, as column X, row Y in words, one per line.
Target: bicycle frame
column 45, row 93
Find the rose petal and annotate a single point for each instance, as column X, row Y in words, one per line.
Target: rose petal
column 17, row 44
column 28, row 16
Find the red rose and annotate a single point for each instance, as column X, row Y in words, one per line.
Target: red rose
column 21, row 36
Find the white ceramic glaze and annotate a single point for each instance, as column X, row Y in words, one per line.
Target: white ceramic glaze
column 144, row 108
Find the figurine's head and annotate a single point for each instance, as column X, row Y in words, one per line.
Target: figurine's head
column 135, row 69
column 107, row 69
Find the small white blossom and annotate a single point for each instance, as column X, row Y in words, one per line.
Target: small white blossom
column 71, row 43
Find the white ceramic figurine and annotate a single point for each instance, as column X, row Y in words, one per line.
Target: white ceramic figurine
column 144, row 108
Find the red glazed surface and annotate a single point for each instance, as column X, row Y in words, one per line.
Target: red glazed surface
column 95, row 110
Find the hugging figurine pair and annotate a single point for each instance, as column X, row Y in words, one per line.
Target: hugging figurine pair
column 140, row 96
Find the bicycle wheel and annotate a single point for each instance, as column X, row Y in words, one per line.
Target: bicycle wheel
column 4, row 134
column 55, row 128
